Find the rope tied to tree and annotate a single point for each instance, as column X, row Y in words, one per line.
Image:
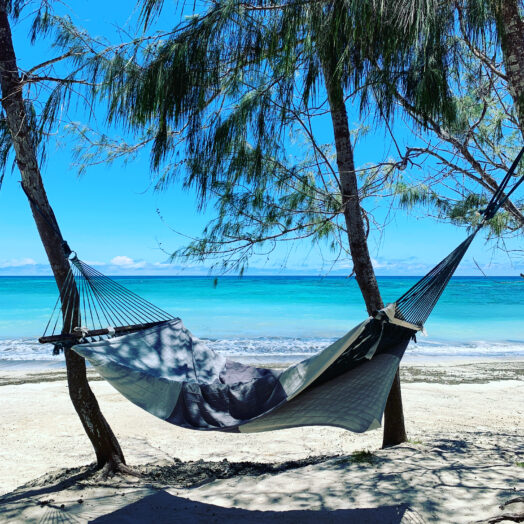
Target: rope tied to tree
column 499, row 198
column 92, row 306
column 417, row 303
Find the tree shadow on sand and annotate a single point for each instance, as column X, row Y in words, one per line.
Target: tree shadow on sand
column 178, row 474
column 171, row 508
column 446, row 480
column 160, row 506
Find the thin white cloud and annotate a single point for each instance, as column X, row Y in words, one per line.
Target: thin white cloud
column 18, row 262
column 126, row 266
column 377, row 264
column 162, row 265
column 127, row 262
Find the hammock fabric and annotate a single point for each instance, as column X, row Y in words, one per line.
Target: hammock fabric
column 153, row 360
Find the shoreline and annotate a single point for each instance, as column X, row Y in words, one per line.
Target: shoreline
column 285, row 349
column 449, row 370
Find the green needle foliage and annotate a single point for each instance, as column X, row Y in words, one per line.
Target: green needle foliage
column 470, row 153
column 52, row 87
column 228, row 100
column 228, row 93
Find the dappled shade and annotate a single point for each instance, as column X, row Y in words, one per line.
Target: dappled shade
column 163, row 368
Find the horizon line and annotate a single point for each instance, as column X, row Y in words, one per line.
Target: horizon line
column 268, row 275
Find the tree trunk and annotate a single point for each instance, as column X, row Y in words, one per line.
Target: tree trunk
column 510, row 28
column 394, row 428
column 108, row 452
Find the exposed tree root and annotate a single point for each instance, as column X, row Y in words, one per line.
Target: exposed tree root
column 505, row 517
column 116, row 468
column 512, row 501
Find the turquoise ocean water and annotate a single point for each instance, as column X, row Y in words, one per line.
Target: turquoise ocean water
column 286, row 318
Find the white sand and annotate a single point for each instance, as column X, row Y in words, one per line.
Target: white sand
column 461, row 463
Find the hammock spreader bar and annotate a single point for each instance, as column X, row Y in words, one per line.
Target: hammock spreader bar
column 77, row 336
column 95, row 306
column 175, row 376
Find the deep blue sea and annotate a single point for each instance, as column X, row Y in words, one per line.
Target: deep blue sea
column 286, row 318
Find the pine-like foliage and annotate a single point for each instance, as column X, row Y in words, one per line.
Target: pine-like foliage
column 464, row 158
column 227, row 100
column 225, row 97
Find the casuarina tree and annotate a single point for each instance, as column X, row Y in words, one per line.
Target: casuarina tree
column 230, row 100
column 223, row 96
column 21, row 134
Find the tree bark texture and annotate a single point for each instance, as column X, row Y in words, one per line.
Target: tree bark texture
column 394, row 427
column 107, row 449
column 510, row 28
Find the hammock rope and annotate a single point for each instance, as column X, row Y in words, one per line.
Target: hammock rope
column 92, row 306
column 175, row 376
column 499, row 199
column 417, row 303
column 103, row 308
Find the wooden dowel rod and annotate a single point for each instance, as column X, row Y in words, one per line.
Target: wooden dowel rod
column 96, row 332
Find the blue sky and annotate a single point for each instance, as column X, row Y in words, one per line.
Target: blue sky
column 109, row 215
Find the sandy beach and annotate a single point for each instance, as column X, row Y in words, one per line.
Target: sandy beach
column 464, row 459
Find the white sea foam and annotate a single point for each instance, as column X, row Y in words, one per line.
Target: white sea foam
column 295, row 347
column 475, row 348
column 25, row 349
column 292, row 348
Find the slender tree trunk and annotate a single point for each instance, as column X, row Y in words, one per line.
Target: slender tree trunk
column 510, row 27
column 394, row 428
column 108, row 452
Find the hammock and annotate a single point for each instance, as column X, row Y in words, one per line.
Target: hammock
column 152, row 359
